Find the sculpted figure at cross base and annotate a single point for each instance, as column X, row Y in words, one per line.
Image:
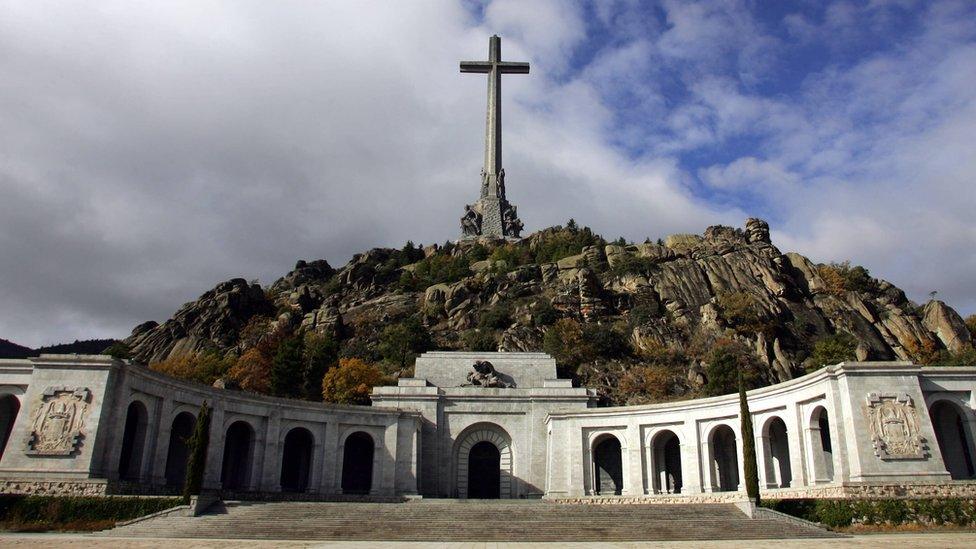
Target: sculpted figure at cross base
column 470, row 222
column 484, row 375
column 511, row 222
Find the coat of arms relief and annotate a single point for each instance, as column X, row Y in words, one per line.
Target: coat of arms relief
column 894, row 425
column 58, row 421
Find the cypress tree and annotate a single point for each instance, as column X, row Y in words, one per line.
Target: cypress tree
column 197, row 461
column 748, row 444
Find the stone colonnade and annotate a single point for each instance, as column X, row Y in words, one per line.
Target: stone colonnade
column 137, row 423
column 851, row 423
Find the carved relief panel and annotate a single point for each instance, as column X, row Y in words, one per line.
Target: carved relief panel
column 894, row 425
column 58, row 421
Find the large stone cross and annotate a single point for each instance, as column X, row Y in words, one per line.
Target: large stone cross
column 492, row 215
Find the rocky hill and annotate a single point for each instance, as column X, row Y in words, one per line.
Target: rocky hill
column 630, row 306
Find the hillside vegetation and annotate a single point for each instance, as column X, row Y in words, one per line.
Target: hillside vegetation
column 639, row 322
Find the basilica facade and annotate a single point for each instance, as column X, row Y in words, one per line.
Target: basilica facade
column 487, row 425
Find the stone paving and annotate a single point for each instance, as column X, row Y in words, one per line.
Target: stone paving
column 58, row 541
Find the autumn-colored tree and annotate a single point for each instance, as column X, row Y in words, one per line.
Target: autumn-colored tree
column 350, row 382
column 252, row 371
column 646, row 384
column 204, row 367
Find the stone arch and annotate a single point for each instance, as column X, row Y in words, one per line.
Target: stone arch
column 666, row 462
column 955, row 443
column 235, row 473
column 178, row 451
column 608, row 469
column 296, row 460
column 9, row 408
column 133, row 441
column 821, row 447
column 723, row 459
column 358, row 454
column 495, row 435
column 776, row 453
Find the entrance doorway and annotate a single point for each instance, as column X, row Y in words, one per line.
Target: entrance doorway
column 608, row 467
column 484, row 471
column 357, row 464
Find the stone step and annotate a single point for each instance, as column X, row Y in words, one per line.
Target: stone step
column 468, row 521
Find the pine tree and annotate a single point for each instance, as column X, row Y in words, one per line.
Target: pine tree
column 197, row 461
column 287, row 369
column 748, row 444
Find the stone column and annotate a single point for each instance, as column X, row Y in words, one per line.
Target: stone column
column 164, row 427
column 270, row 479
column 768, row 477
column 634, row 480
column 691, row 461
column 215, row 450
column 331, row 461
column 319, row 464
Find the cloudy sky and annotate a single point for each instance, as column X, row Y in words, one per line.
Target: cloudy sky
column 151, row 150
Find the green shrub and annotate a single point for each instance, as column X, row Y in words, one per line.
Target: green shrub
column 436, row 269
column 401, row 343
column 840, row 513
column 631, row 264
column 514, row 255
column 481, row 341
column 605, row 341
column 544, row 314
column 724, row 362
column 560, row 243
column 37, row 513
column 498, row 317
column 833, row 349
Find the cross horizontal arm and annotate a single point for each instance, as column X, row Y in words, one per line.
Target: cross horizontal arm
column 475, row 66
column 508, row 67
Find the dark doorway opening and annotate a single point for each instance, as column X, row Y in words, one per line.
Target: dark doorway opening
column 9, row 408
column 484, row 471
column 608, row 467
column 667, row 463
column 238, row 448
column 179, row 451
column 296, row 460
column 357, row 464
column 133, row 441
column 725, row 459
column 950, row 433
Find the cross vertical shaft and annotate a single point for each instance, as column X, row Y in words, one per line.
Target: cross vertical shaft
column 493, row 125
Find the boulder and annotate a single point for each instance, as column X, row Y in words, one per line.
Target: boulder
column 947, row 325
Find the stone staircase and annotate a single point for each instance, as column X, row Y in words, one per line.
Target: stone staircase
column 469, row 520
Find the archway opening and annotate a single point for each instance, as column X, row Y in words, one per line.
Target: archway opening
column 484, row 471
column 667, row 463
column 133, row 441
column 608, row 467
column 779, row 473
column 238, row 451
column 725, row 460
column 950, row 433
column 820, row 445
column 357, row 464
column 296, row 460
column 9, row 408
column 179, row 450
